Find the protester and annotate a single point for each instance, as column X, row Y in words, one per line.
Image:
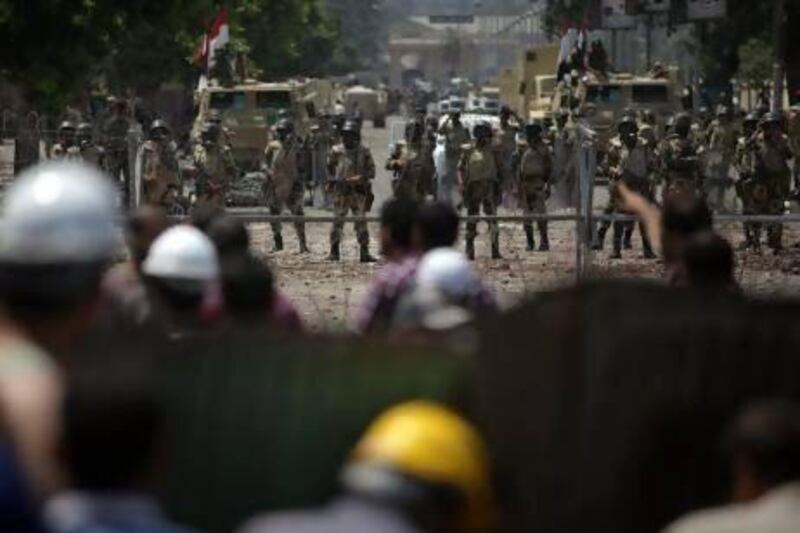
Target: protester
column 122, row 286
column 397, row 223
column 420, row 467
column 436, row 227
column 57, row 237
column 709, row 262
column 764, row 446
column 232, row 241
column 182, row 275
column 112, row 436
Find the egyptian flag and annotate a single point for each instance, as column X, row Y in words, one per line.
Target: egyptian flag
column 216, row 39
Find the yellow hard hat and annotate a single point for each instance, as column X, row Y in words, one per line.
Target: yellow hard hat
column 431, row 443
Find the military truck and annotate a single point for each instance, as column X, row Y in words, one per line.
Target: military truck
column 249, row 110
column 602, row 100
column 528, row 87
column 370, row 103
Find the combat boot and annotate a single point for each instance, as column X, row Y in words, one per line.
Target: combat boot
column 496, row 250
column 529, row 238
column 601, row 238
column 626, row 243
column 303, row 245
column 544, row 246
column 617, row 253
column 364, row 255
column 647, row 252
column 278, row 243
column 470, row 250
column 334, row 255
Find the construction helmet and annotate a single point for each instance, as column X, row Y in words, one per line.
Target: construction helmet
column 433, row 445
column 182, row 253
column 59, row 212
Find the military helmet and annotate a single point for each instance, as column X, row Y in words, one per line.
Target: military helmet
column 482, row 130
column 159, row 125
column 628, row 123
column 505, row 111
column 682, row 120
column 770, row 118
column 648, row 116
column 351, row 126
column 284, row 126
column 750, row 118
column 723, row 111
column 534, row 129
column 85, row 128
column 67, row 125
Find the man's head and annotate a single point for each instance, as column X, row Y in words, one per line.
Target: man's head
column 66, row 133
column 351, row 134
column 505, row 114
column 455, row 117
column 230, row 236
column 284, row 130
column 436, row 226
column 84, row 133
column 533, row 133
column 57, row 236
column 681, row 218
column 482, row 133
column 247, row 287
column 750, row 124
column 771, row 126
column 764, row 445
column 709, row 262
column 145, row 224
column 159, row 130
column 628, row 131
column 398, row 217
column 682, row 125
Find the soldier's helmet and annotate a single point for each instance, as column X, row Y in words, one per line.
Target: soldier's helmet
column 750, row 119
column 628, row 125
column 770, row 119
column 416, row 128
column 159, row 127
column 723, row 111
column 534, row 129
column 351, row 126
column 482, row 130
column 682, row 124
column 67, row 127
column 84, row 128
column 285, row 127
column 505, row 111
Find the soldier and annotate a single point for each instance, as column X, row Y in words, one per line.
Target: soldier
column 564, row 179
column 679, row 161
column 648, row 128
column 532, row 168
column 478, row 174
column 215, row 166
column 115, row 142
column 66, row 148
column 722, row 139
column 89, row 151
column 160, row 180
column 772, row 177
column 456, row 136
column 410, row 166
column 428, row 146
column 284, row 187
column 318, row 146
column 505, row 143
column 631, row 161
column 352, row 169
column 744, row 161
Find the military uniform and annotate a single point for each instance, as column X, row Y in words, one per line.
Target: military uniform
column 564, row 178
column 115, row 142
column 680, row 167
column 216, row 168
column 159, row 172
column 480, row 174
column 456, row 136
column 352, row 172
column 505, row 142
column 634, row 167
column 412, row 167
column 772, row 182
column 532, row 168
column 722, row 140
column 747, row 189
column 284, row 188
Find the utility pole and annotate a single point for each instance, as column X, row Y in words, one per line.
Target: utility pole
column 779, row 29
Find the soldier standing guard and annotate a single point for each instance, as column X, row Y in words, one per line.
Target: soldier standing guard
column 409, row 165
column 456, row 136
column 115, row 142
column 722, row 139
column 351, row 170
column 745, row 184
column 680, row 164
column 532, row 167
column 773, row 177
column 478, row 174
column 215, row 166
column 160, row 181
column 505, row 146
column 284, row 187
column 631, row 161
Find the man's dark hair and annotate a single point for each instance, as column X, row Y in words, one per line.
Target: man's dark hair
column 248, row 287
column 203, row 217
column 709, row 261
column 399, row 216
column 684, row 216
column 767, row 434
column 438, row 225
column 111, row 424
column 229, row 235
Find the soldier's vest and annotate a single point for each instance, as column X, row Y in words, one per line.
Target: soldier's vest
column 480, row 165
column 683, row 164
column 533, row 167
column 351, row 163
column 634, row 162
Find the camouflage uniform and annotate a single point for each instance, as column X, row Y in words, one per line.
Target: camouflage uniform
column 159, row 172
column 479, row 177
column 284, row 188
column 722, row 140
column 216, row 168
column 533, row 163
column 634, row 167
column 772, row 178
column 352, row 172
column 680, row 167
column 745, row 163
column 115, row 142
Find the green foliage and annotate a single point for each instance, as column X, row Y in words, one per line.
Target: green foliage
column 756, row 58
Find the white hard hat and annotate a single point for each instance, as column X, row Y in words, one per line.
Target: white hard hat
column 182, row 252
column 449, row 272
column 59, row 212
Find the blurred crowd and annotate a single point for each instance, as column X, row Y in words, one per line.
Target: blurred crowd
column 82, row 443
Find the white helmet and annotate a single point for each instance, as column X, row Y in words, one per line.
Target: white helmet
column 182, row 252
column 59, row 212
column 449, row 272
